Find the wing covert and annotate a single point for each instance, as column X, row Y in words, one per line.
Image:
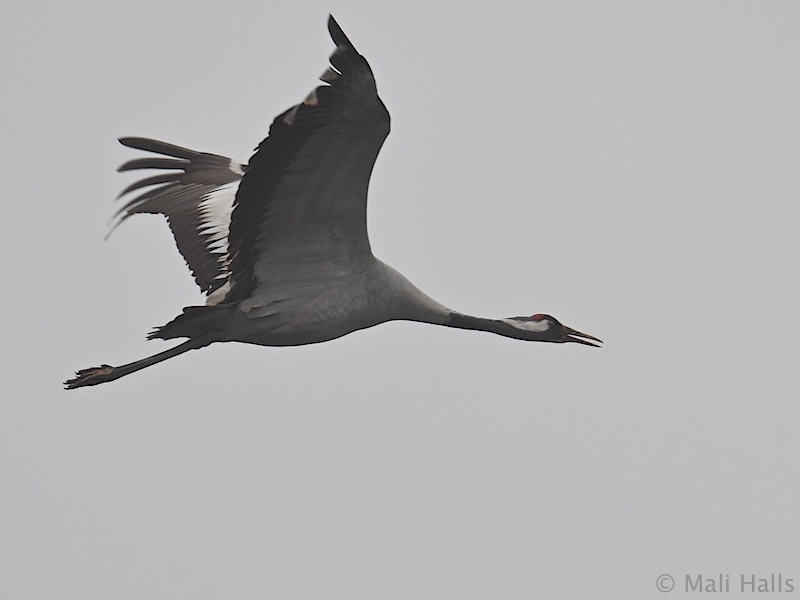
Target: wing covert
column 300, row 211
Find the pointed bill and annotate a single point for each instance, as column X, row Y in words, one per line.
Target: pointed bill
column 572, row 335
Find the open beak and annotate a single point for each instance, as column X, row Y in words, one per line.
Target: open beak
column 570, row 335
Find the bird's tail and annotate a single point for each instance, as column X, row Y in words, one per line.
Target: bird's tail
column 195, row 321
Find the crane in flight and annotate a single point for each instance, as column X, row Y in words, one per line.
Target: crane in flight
column 280, row 245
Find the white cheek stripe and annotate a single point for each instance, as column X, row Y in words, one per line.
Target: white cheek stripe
column 537, row 326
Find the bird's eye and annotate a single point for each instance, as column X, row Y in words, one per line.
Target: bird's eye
column 538, row 317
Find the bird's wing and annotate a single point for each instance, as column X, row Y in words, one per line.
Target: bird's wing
column 195, row 191
column 299, row 217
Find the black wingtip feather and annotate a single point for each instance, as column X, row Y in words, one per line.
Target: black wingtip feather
column 151, row 145
column 153, row 163
column 338, row 36
column 154, row 180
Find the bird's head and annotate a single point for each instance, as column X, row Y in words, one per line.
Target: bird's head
column 549, row 329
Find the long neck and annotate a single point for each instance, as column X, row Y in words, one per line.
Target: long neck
column 411, row 304
column 502, row 327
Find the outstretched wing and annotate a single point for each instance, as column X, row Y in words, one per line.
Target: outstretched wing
column 195, row 191
column 299, row 219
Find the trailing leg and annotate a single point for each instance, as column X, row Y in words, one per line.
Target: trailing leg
column 104, row 373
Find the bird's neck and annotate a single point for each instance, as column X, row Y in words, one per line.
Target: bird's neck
column 462, row 321
column 504, row 327
column 411, row 304
column 407, row 302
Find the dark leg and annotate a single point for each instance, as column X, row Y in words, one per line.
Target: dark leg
column 103, row 373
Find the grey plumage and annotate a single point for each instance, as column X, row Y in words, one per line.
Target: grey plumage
column 280, row 245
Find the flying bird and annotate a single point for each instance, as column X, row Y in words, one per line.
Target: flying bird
column 279, row 246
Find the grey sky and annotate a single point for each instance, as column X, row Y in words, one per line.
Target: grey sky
column 630, row 168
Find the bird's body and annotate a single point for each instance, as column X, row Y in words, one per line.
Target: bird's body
column 280, row 245
column 368, row 293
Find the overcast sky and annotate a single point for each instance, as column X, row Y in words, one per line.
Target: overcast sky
column 632, row 168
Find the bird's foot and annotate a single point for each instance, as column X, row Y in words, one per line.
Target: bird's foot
column 91, row 376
